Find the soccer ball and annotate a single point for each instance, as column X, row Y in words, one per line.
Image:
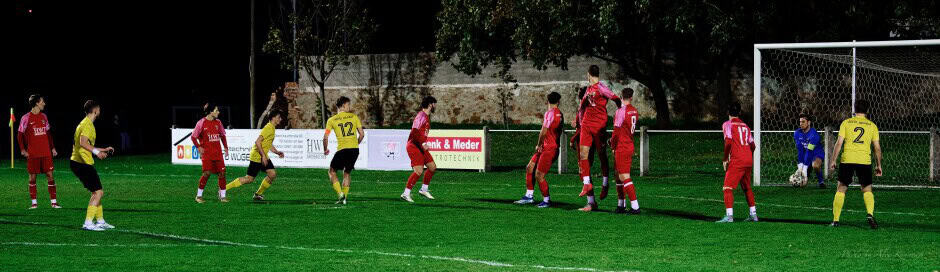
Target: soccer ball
column 797, row 180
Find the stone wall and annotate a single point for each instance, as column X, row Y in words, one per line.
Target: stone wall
column 461, row 98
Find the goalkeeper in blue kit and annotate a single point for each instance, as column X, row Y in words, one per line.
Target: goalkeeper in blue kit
column 810, row 151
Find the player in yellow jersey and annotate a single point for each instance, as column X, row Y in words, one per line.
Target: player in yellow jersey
column 259, row 160
column 348, row 136
column 82, row 164
column 862, row 135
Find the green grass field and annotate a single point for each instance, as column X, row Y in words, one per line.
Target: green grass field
column 471, row 226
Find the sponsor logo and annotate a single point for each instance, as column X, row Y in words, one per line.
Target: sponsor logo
column 455, row 144
column 390, row 150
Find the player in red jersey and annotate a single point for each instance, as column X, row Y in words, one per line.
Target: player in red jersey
column 622, row 143
column 738, row 162
column 600, row 144
column 417, row 148
column 546, row 150
column 593, row 121
column 209, row 137
column 36, row 145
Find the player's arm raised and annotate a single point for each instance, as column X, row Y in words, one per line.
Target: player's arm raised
column 877, row 146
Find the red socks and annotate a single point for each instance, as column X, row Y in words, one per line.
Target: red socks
column 729, row 198
column 412, row 180
column 51, row 190
column 629, row 190
column 32, row 189
column 202, row 182
column 748, row 193
column 585, row 168
column 222, row 182
column 543, row 186
column 427, row 177
column 620, row 191
column 528, row 181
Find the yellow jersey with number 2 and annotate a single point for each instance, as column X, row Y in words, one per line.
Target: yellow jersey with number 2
column 857, row 133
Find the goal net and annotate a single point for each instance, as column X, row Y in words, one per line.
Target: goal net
column 901, row 79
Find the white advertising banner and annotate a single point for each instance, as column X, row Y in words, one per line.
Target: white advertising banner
column 381, row 149
column 303, row 148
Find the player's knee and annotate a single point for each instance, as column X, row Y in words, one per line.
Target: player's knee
column 419, row 171
column 539, row 175
column 272, row 176
column 432, row 167
column 529, row 167
column 247, row 179
column 205, row 173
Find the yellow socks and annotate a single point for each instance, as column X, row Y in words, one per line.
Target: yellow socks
column 337, row 188
column 346, row 190
column 837, row 206
column 90, row 213
column 869, row 202
column 264, row 186
column 234, row 184
column 99, row 213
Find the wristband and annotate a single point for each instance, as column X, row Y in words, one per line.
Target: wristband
column 95, row 151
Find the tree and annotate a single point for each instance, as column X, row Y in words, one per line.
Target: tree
column 328, row 32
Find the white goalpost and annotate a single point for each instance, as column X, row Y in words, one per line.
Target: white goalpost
column 901, row 79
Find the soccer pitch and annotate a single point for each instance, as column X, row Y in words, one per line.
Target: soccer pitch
column 471, row 226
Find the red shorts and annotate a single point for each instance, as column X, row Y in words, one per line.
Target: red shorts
column 39, row 165
column 213, row 166
column 588, row 135
column 543, row 160
column 418, row 156
column 737, row 175
column 623, row 159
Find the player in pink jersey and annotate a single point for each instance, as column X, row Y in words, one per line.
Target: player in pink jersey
column 418, row 150
column 738, row 162
column 35, row 141
column 593, row 121
column 209, row 137
column 622, row 143
column 546, row 150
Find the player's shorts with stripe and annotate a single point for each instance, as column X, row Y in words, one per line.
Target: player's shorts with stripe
column 623, row 159
column 255, row 167
column 862, row 171
column 39, row 165
column 87, row 175
column 737, row 175
column 213, row 166
column 543, row 160
column 345, row 159
column 418, row 156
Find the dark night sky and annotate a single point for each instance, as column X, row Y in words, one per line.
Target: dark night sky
column 140, row 59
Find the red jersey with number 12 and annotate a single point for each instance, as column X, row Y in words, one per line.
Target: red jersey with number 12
column 738, row 143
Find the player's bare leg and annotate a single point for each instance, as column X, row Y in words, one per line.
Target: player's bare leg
column 425, row 191
column 543, row 187
column 202, row 186
column 412, row 180
column 51, row 187
column 585, row 169
column 529, row 186
column 267, row 182
column 32, row 191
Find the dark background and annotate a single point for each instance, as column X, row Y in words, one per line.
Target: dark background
column 141, row 58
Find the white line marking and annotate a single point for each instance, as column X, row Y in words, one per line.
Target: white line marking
column 230, row 243
column 789, row 206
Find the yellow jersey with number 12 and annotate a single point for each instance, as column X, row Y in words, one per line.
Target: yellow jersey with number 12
column 346, row 125
column 858, row 133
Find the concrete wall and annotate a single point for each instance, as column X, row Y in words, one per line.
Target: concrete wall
column 461, row 98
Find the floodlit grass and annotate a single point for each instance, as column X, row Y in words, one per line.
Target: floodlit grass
column 471, row 226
